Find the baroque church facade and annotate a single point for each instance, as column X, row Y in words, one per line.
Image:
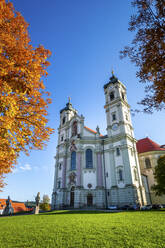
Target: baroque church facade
column 93, row 170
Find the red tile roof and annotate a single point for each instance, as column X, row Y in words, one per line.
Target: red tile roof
column 2, row 203
column 91, row 130
column 147, row 145
column 17, row 206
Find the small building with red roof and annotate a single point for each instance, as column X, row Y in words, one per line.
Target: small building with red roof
column 17, row 206
column 148, row 153
column 148, row 145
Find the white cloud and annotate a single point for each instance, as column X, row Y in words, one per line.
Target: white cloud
column 26, row 167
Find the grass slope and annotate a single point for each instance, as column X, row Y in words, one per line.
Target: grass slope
column 84, row 229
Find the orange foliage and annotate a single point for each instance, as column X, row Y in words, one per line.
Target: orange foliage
column 23, row 98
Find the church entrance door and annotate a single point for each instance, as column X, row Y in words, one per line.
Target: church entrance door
column 72, row 197
column 89, row 200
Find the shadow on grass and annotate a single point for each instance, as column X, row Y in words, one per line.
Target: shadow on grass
column 61, row 212
column 74, row 212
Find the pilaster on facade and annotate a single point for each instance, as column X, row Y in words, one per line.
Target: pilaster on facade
column 79, row 155
column 113, row 176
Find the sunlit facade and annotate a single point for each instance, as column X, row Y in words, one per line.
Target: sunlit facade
column 93, row 170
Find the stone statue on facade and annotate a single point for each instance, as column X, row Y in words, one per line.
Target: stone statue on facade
column 73, row 146
column 8, row 209
column 97, row 130
column 37, row 199
column 72, row 178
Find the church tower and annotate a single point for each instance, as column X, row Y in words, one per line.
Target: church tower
column 120, row 147
column 66, row 114
column 117, row 108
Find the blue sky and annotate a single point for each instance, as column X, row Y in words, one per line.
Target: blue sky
column 85, row 37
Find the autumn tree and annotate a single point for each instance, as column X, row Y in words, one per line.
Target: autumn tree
column 147, row 50
column 46, row 199
column 159, row 176
column 23, row 98
column 45, row 206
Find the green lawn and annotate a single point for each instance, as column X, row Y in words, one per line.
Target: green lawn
column 84, row 229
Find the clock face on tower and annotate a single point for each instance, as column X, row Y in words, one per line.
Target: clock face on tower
column 115, row 126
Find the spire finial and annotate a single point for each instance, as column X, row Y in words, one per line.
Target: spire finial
column 112, row 72
column 69, row 98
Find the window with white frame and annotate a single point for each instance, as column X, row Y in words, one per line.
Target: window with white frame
column 120, row 175
column 89, row 158
column 73, row 160
column 59, row 184
column 74, row 128
column 147, row 163
column 123, row 96
column 63, row 120
column 112, row 95
column 114, row 116
column 118, row 151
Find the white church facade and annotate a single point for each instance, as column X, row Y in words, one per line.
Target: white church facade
column 93, row 170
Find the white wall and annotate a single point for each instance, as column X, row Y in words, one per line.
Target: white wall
column 89, row 177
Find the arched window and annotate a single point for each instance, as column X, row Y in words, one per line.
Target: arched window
column 73, row 160
column 120, row 175
column 114, row 116
column 63, row 120
column 118, row 151
column 148, row 163
column 59, row 184
column 123, row 97
column 89, row 159
column 112, row 96
column 74, row 128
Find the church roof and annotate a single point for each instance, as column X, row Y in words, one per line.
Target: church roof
column 112, row 80
column 91, row 130
column 147, row 145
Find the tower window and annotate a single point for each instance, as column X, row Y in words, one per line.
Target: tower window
column 118, row 151
column 112, row 96
column 74, row 128
column 63, row 120
column 62, row 138
column 73, row 160
column 120, row 175
column 59, row 184
column 123, row 96
column 59, row 166
column 113, row 117
column 89, row 159
column 148, row 163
